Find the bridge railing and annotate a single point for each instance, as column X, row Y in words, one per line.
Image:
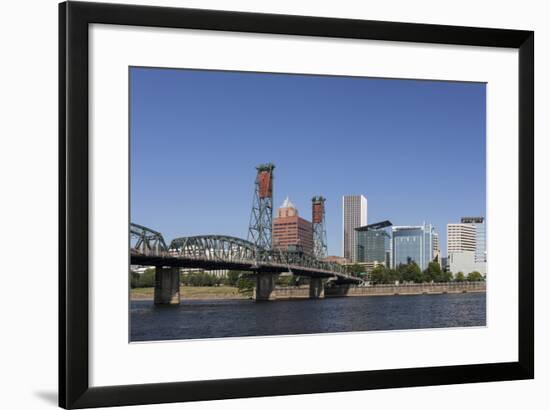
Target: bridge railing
column 147, row 241
column 226, row 249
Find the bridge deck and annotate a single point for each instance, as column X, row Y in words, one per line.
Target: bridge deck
column 245, row 265
column 215, row 252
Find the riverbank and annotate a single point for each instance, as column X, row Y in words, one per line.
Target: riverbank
column 302, row 292
column 407, row 289
column 194, row 292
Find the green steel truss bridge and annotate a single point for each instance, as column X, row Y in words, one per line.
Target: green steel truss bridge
column 214, row 252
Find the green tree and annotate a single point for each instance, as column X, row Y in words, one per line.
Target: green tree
column 475, row 276
column 402, row 272
column 459, row 277
column 232, row 278
column 134, row 279
column 446, row 276
column 433, row 273
column 412, row 273
column 379, row 275
column 393, row 275
column 287, row 280
column 200, row 278
column 355, row 269
column 245, row 284
column 143, row 280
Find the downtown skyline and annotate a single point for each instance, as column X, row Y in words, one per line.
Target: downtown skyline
column 415, row 149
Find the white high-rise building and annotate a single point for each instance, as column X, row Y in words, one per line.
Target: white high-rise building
column 462, row 248
column 461, row 238
column 354, row 215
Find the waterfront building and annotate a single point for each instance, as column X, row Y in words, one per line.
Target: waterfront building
column 220, row 273
column 290, row 232
column 139, row 269
column 336, row 259
column 481, row 246
column 354, row 215
column 466, row 246
column 412, row 244
column 460, row 238
column 367, row 267
column 445, row 263
column 465, row 262
column 436, row 250
column 373, row 243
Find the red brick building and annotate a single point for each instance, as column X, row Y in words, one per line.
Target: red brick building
column 289, row 230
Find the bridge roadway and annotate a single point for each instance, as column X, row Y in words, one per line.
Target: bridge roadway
column 241, row 265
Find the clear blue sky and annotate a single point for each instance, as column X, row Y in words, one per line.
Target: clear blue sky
column 415, row 149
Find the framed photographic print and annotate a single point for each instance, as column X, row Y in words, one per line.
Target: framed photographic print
column 256, row 204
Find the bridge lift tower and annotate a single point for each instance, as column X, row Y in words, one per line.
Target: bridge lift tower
column 319, row 227
column 261, row 218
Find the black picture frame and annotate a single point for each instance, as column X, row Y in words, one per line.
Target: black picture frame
column 74, row 388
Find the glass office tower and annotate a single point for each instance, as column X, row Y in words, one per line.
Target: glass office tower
column 373, row 243
column 481, row 246
column 412, row 244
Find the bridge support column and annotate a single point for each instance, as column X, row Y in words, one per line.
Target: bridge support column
column 316, row 288
column 265, row 286
column 167, row 286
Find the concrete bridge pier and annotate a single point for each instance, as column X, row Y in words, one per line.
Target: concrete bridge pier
column 265, row 286
column 316, row 288
column 167, row 285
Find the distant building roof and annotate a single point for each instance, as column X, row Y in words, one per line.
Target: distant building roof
column 287, row 204
column 377, row 225
column 472, row 220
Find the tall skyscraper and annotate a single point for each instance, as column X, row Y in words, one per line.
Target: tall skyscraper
column 290, row 231
column 354, row 215
column 481, row 247
column 412, row 244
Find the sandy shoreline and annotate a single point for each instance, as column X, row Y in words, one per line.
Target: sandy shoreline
column 194, row 293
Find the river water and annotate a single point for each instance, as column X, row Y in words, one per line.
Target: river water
column 198, row 319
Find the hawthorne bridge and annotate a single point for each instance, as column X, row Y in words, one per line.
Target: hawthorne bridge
column 255, row 254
